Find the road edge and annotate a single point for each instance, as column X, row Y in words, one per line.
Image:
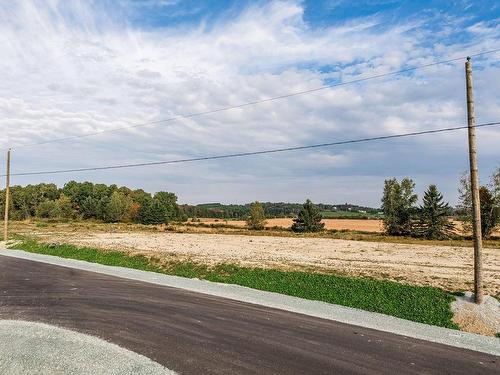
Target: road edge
column 352, row 316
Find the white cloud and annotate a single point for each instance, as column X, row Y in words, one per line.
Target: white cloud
column 70, row 68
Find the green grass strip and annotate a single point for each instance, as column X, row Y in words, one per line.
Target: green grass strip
column 419, row 304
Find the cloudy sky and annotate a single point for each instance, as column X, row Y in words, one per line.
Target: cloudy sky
column 73, row 67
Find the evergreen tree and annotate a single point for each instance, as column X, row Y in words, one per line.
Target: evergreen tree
column 257, row 218
column 398, row 205
column 434, row 223
column 309, row 219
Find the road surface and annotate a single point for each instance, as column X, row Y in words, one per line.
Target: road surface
column 193, row 333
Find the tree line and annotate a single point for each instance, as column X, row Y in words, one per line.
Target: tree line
column 271, row 209
column 86, row 200
column 402, row 217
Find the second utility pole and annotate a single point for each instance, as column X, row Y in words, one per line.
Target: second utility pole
column 474, row 187
column 7, row 200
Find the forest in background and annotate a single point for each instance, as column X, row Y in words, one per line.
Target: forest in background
column 110, row 203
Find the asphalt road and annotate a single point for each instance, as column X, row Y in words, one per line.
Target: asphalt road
column 193, row 333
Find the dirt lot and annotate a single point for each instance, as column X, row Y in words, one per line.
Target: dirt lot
column 374, row 225
column 448, row 267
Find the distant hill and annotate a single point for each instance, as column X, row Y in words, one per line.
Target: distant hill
column 276, row 209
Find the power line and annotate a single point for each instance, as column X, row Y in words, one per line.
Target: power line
column 255, row 102
column 252, row 153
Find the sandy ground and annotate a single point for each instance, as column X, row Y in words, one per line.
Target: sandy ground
column 448, row 267
column 339, row 224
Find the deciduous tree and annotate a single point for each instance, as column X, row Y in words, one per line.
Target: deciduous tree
column 398, row 206
column 118, row 208
column 489, row 198
column 257, row 218
column 490, row 212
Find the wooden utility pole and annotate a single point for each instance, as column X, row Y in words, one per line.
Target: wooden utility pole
column 7, row 200
column 474, row 185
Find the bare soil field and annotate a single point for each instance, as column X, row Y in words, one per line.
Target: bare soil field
column 363, row 225
column 447, row 267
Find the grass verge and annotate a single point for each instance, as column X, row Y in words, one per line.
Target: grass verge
column 420, row 304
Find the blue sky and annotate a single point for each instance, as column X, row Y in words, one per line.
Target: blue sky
column 78, row 67
column 151, row 13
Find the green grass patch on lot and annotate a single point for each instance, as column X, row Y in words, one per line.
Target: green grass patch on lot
column 420, row 304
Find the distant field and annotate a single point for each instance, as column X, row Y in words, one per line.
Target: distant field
column 363, row 225
column 349, row 214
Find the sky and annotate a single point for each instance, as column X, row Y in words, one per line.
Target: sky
column 71, row 67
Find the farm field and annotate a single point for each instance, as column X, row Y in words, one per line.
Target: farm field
column 372, row 225
column 447, row 267
column 362, row 225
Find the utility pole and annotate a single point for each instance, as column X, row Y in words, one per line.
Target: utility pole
column 474, row 185
column 7, row 200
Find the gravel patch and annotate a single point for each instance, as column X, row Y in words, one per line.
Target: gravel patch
column 34, row 348
column 471, row 317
